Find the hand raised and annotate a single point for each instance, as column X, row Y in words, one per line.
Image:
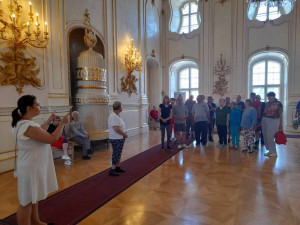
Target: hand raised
column 51, row 118
column 65, row 119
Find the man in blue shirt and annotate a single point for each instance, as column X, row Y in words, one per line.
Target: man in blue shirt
column 212, row 108
column 239, row 103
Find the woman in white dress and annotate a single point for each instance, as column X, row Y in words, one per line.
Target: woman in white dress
column 35, row 168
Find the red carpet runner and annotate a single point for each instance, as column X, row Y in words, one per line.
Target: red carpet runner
column 78, row 201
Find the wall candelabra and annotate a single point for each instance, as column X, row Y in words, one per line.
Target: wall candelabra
column 19, row 70
column 133, row 61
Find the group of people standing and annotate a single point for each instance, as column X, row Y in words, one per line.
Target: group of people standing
column 253, row 118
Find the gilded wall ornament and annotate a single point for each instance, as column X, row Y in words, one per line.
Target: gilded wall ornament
column 153, row 54
column 19, row 70
column 221, row 86
column 128, row 84
column 222, row 2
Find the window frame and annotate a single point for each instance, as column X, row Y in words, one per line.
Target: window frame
column 268, row 14
column 267, row 59
column 189, row 16
column 189, row 89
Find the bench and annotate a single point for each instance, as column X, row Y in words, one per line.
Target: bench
column 154, row 124
column 58, row 153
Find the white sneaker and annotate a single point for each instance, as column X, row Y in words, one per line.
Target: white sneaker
column 68, row 163
column 65, row 157
column 184, row 146
column 179, row 146
column 271, row 154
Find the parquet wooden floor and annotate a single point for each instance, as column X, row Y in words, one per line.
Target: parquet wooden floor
column 199, row 185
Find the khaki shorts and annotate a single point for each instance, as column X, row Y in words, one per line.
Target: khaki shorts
column 180, row 127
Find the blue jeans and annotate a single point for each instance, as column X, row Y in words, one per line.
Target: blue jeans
column 164, row 127
column 235, row 135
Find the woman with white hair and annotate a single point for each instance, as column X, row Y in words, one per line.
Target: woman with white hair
column 78, row 134
column 117, row 138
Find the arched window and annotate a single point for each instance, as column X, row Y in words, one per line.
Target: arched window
column 268, row 10
column 188, row 81
column 190, row 19
column 267, row 73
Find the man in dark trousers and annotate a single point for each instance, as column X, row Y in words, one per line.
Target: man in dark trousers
column 201, row 118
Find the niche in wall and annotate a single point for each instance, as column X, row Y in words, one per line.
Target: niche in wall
column 76, row 45
column 154, row 83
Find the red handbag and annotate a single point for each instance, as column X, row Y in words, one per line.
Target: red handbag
column 280, row 138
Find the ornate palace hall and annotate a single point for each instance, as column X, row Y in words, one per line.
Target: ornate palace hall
column 150, row 112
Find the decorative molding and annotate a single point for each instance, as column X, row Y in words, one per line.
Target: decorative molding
column 8, row 151
column 176, row 37
column 91, row 87
column 91, row 100
column 91, row 74
column 7, row 158
column 44, row 110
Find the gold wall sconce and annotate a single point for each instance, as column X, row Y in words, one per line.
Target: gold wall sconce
column 19, row 70
column 133, row 62
column 221, row 70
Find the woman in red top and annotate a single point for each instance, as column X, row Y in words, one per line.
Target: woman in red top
column 271, row 123
column 154, row 114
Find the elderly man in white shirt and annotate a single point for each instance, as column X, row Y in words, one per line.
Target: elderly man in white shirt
column 117, row 138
